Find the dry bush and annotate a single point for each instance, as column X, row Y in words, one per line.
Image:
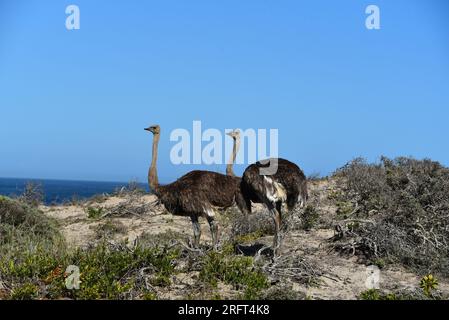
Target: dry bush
column 12, row 212
column 398, row 209
column 97, row 199
column 282, row 292
column 133, row 188
column 315, row 176
column 167, row 239
column 134, row 204
column 294, row 267
column 260, row 223
column 109, row 228
column 33, row 195
column 25, row 235
column 17, row 216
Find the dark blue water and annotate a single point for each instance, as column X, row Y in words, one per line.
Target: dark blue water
column 59, row 191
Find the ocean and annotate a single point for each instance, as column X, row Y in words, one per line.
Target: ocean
column 59, row 191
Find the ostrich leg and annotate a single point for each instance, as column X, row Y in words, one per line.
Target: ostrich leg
column 196, row 230
column 213, row 230
column 281, row 224
column 276, row 215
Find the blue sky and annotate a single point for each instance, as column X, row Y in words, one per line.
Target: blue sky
column 74, row 103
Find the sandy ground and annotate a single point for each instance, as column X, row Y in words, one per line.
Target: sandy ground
column 79, row 230
column 343, row 277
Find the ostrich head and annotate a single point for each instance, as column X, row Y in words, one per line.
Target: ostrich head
column 155, row 129
column 235, row 134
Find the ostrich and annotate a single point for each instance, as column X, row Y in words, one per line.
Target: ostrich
column 197, row 193
column 235, row 135
column 288, row 185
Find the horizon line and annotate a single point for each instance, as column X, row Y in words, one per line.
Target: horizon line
column 75, row 180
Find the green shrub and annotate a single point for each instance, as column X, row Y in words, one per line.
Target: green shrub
column 149, row 296
column 30, row 243
column 34, row 255
column 234, row 270
column 309, row 218
column 160, row 281
column 29, row 250
column 250, row 237
column 379, row 262
column 403, row 294
column 110, row 273
column 428, row 284
column 94, row 213
column 375, row 294
column 32, row 264
column 27, row 291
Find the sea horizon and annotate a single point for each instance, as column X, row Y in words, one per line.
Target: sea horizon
column 57, row 191
column 66, row 179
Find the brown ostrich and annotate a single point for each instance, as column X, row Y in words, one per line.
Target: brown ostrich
column 198, row 193
column 235, row 135
column 288, row 185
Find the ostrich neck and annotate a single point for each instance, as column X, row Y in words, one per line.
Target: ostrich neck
column 235, row 148
column 152, row 173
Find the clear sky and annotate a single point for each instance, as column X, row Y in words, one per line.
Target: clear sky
column 73, row 103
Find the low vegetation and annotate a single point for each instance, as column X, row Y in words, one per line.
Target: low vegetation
column 391, row 212
column 428, row 290
column 33, row 195
column 30, row 243
column 238, row 271
column 132, row 189
column 396, row 210
column 35, row 260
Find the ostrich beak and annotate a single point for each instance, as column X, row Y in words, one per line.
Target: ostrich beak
column 147, row 129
